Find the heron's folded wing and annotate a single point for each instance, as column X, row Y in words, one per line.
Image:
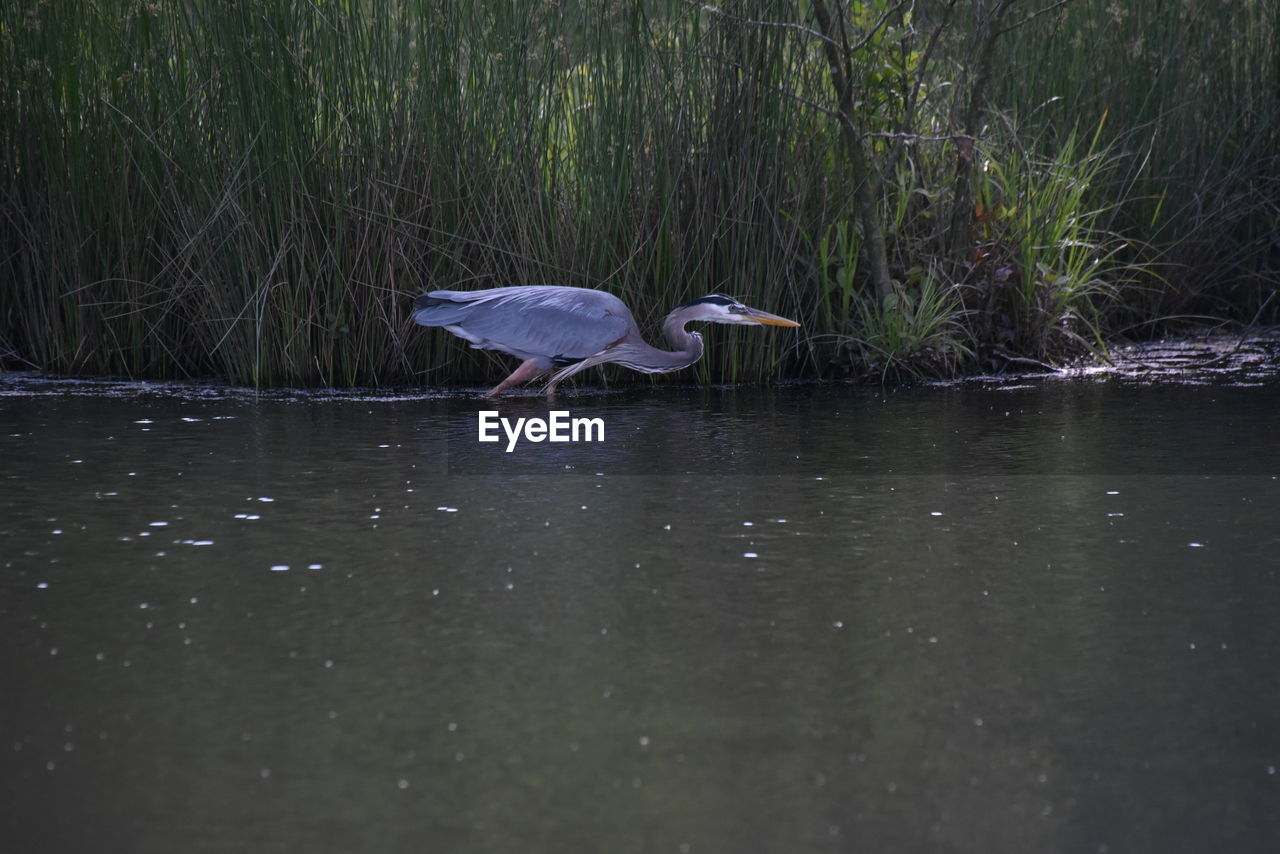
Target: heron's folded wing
column 560, row 324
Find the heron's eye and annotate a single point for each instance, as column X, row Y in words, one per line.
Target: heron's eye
column 735, row 309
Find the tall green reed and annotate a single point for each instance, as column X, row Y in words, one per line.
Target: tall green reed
column 187, row 188
column 191, row 189
column 1194, row 109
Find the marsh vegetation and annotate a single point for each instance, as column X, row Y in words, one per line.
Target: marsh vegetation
column 929, row 187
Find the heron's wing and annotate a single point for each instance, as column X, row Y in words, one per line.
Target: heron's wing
column 556, row 324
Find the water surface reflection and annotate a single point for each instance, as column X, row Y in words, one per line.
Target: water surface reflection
column 813, row 619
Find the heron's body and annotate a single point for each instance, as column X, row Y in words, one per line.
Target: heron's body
column 574, row 328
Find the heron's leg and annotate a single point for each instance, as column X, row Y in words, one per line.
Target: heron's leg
column 564, row 373
column 528, row 369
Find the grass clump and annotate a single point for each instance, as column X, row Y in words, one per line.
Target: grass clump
column 1045, row 267
column 919, row 331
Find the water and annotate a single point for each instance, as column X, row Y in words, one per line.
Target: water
column 964, row 618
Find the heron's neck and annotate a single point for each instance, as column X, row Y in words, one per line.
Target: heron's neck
column 687, row 345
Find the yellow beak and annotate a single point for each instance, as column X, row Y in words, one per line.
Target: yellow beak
column 767, row 319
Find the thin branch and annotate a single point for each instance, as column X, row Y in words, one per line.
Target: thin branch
column 800, row 28
column 865, row 40
column 909, row 105
column 1022, row 360
column 847, row 49
column 902, row 136
column 863, row 176
column 1056, row 5
column 915, row 137
column 811, row 104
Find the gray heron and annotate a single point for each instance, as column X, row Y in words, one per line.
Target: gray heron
column 573, row 329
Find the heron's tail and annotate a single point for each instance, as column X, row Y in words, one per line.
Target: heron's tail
column 440, row 308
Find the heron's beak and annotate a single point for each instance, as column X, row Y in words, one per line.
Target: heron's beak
column 768, row 319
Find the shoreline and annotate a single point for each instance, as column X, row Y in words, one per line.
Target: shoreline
column 1252, row 358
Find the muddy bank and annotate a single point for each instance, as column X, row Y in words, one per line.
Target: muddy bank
column 1251, row 358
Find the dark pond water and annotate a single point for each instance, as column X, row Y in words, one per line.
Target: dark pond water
column 1034, row 618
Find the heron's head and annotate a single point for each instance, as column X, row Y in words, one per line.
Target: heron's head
column 721, row 309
